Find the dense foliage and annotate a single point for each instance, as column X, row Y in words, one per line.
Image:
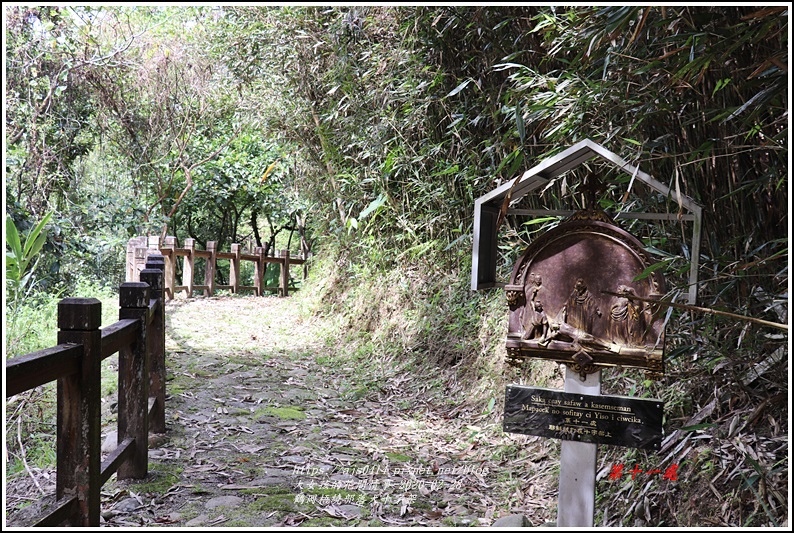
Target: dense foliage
column 380, row 126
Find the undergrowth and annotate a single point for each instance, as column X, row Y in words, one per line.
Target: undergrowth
column 420, row 316
column 724, row 390
column 30, row 417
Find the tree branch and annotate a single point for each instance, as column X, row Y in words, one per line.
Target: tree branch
column 700, row 309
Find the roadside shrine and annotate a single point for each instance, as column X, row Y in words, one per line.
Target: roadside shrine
column 582, row 294
column 569, row 300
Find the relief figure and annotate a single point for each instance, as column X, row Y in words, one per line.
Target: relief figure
column 533, row 287
column 537, row 327
column 582, row 308
column 533, row 316
column 627, row 318
column 577, row 338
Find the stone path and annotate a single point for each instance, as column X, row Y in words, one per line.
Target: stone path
column 270, row 425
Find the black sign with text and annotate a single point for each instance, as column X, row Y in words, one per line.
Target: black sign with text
column 616, row 420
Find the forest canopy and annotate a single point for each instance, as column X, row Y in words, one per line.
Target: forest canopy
column 384, row 123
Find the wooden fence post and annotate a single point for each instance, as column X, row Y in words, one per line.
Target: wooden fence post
column 133, row 246
column 153, row 242
column 209, row 271
column 133, row 395
column 169, row 274
column 78, row 442
column 284, row 289
column 234, row 270
column 187, row 266
column 156, row 262
column 153, row 275
column 270, row 251
column 259, row 270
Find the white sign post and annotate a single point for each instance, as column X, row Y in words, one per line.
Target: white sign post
column 576, row 504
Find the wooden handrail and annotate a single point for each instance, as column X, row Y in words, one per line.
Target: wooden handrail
column 38, row 368
column 139, row 339
column 121, row 453
column 60, row 512
column 119, row 334
column 139, row 247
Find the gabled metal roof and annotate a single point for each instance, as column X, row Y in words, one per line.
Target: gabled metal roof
column 486, row 208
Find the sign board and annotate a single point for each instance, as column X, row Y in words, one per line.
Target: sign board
column 572, row 299
column 615, row 420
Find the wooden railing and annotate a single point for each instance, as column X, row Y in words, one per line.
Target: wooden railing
column 139, row 339
column 139, row 248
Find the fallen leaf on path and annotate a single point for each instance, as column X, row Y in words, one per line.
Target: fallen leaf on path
column 165, row 520
column 235, row 486
column 405, row 506
column 338, row 512
column 293, row 520
column 218, row 520
column 201, row 468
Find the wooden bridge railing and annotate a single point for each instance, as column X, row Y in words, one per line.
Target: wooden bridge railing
column 139, row 339
column 139, row 248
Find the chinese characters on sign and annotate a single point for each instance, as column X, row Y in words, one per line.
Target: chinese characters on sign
column 670, row 473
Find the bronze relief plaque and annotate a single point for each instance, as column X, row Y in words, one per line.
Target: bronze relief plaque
column 570, row 299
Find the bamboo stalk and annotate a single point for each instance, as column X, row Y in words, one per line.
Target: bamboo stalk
column 700, row 309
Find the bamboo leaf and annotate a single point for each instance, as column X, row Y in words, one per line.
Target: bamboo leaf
column 520, row 122
column 650, row 270
column 373, row 206
column 269, row 170
column 505, row 66
column 459, row 88
column 721, row 84
column 696, row 427
column 759, row 95
column 540, row 220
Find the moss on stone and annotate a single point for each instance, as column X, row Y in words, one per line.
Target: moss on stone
column 285, row 413
column 275, row 502
column 159, row 479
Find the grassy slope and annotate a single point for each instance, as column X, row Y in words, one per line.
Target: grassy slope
column 732, row 464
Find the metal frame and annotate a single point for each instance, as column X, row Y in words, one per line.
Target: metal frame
column 486, row 209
